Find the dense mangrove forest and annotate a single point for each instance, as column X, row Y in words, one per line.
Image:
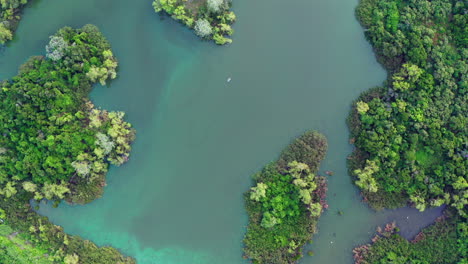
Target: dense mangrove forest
column 411, row 134
column 57, row 146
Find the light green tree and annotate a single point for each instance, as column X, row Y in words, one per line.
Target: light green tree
column 97, row 74
column 366, row 181
column 230, row 17
column 268, row 220
column 52, row 191
column 29, row 186
column 298, row 169
column 71, row 259
column 418, row 201
column 220, row 39
column 104, row 142
column 5, row 34
column 305, row 196
column 460, row 184
column 258, row 192
column 2, row 214
column 362, row 107
column 315, row 209
column 82, row 168
column 9, row 190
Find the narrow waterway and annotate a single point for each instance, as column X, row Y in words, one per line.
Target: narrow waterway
column 295, row 65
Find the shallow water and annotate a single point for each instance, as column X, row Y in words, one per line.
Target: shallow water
column 294, row 67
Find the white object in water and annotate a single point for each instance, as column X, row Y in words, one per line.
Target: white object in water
column 229, row 79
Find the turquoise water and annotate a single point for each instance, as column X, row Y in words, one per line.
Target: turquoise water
column 295, row 65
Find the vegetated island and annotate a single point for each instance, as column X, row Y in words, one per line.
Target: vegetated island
column 210, row 19
column 286, row 202
column 411, row 135
column 56, row 145
column 10, row 15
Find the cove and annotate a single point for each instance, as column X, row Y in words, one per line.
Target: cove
column 178, row 200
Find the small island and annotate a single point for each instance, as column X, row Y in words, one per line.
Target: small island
column 10, row 15
column 411, row 134
column 57, row 146
column 285, row 203
column 210, row 19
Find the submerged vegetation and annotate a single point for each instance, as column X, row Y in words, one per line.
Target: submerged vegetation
column 10, row 15
column 210, row 19
column 286, row 202
column 56, row 145
column 411, row 135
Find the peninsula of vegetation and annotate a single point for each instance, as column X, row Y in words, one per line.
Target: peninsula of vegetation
column 210, row 19
column 56, row 145
column 286, row 202
column 411, row 135
column 10, row 15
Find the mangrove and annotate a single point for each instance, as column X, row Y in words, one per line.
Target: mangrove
column 411, row 134
column 56, row 145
